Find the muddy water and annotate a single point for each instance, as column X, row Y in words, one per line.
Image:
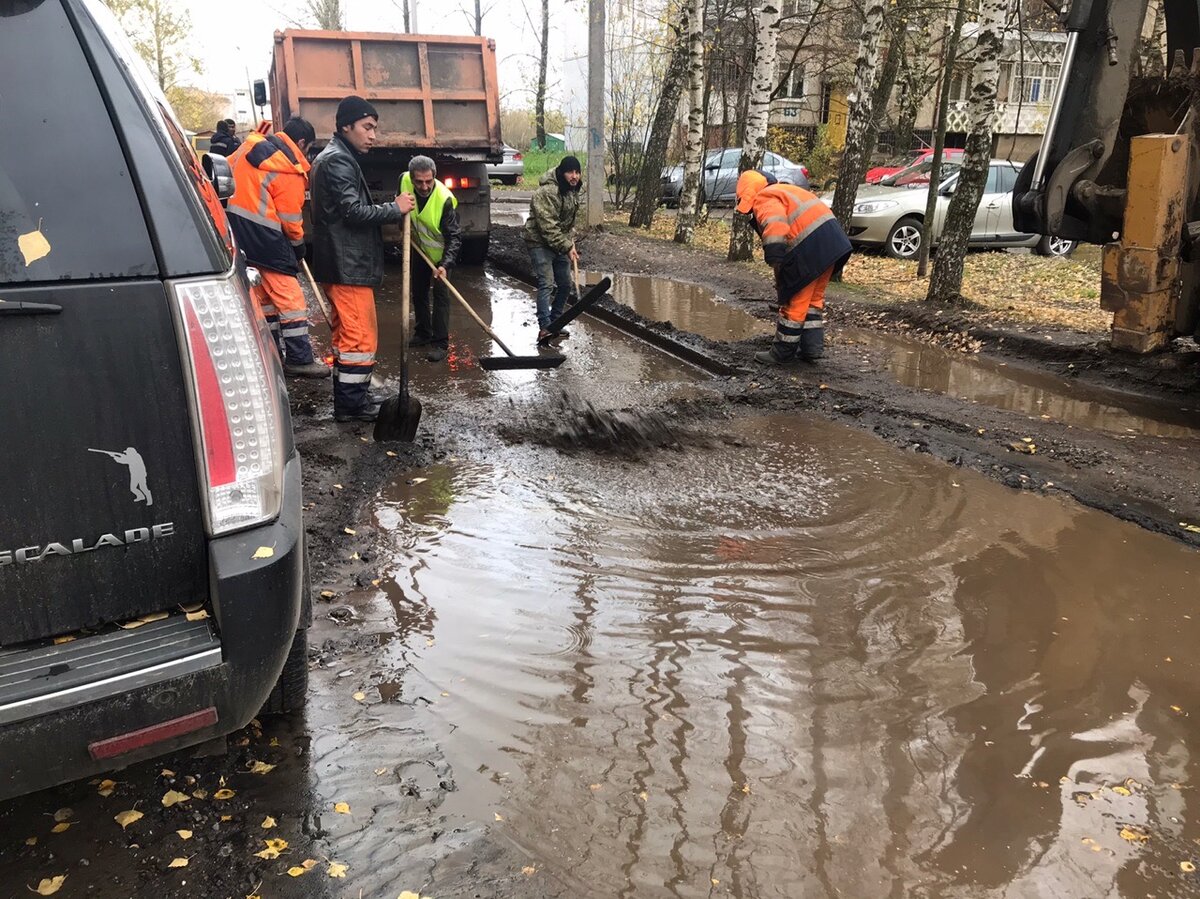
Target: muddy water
column 689, row 307
column 1036, row 394
column 811, row 665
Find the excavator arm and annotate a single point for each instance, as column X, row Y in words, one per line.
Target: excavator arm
column 1119, row 165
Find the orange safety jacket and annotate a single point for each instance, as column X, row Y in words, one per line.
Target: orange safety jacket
column 799, row 233
column 266, row 211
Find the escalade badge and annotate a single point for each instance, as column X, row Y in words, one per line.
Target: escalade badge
column 133, row 460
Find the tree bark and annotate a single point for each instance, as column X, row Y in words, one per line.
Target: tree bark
column 951, row 38
column 758, row 105
column 882, row 95
column 854, row 160
column 649, row 186
column 946, row 283
column 478, row 17
column 689, row 199
column 539, row 109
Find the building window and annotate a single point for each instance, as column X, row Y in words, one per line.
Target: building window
column 826, row 100
column 960, row 85
column 795, row 85
column 800, row 9
column 1038, row 82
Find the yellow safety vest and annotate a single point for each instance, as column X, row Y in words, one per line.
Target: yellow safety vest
column 428, row 222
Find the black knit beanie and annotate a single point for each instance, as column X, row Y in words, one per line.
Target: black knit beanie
column 353, row 108
column 569, row 164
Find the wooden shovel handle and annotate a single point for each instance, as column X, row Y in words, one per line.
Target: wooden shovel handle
column 578, row 283
column 458, row 296
column 318, row 293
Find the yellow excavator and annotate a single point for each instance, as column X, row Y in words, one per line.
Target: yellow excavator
column 1119, row 165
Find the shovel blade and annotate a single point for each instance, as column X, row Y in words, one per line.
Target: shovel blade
column 507, row 363
column 398, row 419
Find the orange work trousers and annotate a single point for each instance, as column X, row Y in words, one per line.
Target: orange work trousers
column 283, row 305
column 355, row 340
column 801, row 325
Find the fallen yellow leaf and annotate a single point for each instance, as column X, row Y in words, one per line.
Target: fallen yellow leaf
column 263, row 552
column 715, row 882
column 261, row 768
column 224, row 794
column 184, row 834
column 350, row 531
column 197, row 616
column 61, row 827
column 342, row 808
column 166, row 772
column 1134, row 835
column 499, row 817
column 106, row 787
column 127, row 818
column 31, row 841
column 1122, row 791
column 529, row 870
column 595, row 788
column 200, row 794
column 336, row 870
column 1187, row 867
column 1195, row 529
column 303, row 868
column 178, row 863
column 379, row 772
column 327, row 594
column 50, row 885
column 174, row 797
column 227, row 817
column 268, row 823
column 58, row 641
column 274, row 847
column 64, row 814
column 643, row 796
column 360, row 696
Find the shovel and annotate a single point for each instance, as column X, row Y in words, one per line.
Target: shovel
column 585, row 301
column 496, row 363
column 318, row 293
column 399, row 415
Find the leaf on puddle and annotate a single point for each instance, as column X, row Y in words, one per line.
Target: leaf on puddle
column 31, row 841
column 178, row 863
column 746, row 789
column 261, row 768
column 342, row 808
column 61, row 827
column 715, row 882
column 1134, row 835
column 499, row 817
column 49, row 885
column 274, row 847
column 263, row 552
column 644, row 796
column 127, row 818
column 224, row 794
column 200, row 794
column 268, row 823
column 303, row 868
column 1187, row 867
column 184, row 834
column 529, row 870
column 379, row 772
column 336, row 869
column 1122, row 791
column 360, row 696
column 327, row 594
column 595, row 788
column 174, row 797
column 64, row 814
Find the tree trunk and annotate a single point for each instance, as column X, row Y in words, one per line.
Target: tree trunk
column 478, row 18
column 950, row 48
column 854, row 160
column 758, row 104
column 649, row 186
column 407, row 17
column 946, row 283
column 539, row 109
column 882, row 95
column 689, row 199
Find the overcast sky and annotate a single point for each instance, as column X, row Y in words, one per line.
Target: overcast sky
column 233, row 37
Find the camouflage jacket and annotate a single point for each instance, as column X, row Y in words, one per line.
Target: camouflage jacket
column 551, row 221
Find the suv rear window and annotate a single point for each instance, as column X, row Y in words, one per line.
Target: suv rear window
column 68, row 207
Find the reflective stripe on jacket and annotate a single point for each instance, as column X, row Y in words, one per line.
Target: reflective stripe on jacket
column 427, row 222
column 800, row 235
column 267, row 208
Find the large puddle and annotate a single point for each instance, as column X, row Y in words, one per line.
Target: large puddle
column 799, row 663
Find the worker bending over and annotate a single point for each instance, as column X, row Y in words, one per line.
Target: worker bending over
column 804, row 245
column 436, row 233
column 348, row 254
column 266, row 214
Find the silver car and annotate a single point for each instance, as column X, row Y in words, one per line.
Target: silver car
column 511, row 170
column 720, row 174
column 890, row 217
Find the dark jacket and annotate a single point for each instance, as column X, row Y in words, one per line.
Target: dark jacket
column 223, row 144
column 451, row 233
column 347, row 236
column 552, row 212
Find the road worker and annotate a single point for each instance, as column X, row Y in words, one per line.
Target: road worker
column 804, row 245
column 266, row 213
column 549, row 233
column 348, row 253
column 437, row 234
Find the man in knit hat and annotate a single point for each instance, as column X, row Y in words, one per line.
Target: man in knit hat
column 550, row 235
column 348, row 253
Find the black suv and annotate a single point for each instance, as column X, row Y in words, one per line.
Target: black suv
column 152, row 578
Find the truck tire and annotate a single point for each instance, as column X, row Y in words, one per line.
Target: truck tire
column 290, row 690
column 474, row 250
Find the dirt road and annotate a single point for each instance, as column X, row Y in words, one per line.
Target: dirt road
column 636, row 628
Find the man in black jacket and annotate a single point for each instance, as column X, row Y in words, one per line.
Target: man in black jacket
column 222, row 142
column 436, row 233
column 348, row 253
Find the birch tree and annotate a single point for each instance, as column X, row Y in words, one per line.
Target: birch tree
column 689, row 199
column 539, row 107
column 649, row 186
column 754, row 141
column 854, row 159
column 946, row 283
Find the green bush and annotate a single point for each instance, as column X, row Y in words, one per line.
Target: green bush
column 538, row 162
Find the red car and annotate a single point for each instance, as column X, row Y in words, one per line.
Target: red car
column 915, row 157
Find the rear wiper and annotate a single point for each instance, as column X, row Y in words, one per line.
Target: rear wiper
column 7, row 308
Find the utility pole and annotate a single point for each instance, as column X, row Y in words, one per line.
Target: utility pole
column 595, row 162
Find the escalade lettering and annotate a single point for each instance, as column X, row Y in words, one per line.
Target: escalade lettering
column 77, row 546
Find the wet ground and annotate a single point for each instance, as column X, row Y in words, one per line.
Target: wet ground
column 747, row 650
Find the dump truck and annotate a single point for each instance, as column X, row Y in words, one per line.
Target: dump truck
column 1119, row 163
column 436, row 95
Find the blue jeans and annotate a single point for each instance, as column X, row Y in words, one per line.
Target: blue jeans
column 553, row 272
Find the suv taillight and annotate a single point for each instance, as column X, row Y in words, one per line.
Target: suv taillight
column 238, row 422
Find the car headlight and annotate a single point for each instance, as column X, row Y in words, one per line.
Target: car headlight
column 874, row 206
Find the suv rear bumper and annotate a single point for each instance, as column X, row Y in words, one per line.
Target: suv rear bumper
column 256, row 604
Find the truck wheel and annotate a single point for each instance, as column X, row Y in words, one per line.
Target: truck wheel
column 474, row 250
column 290, row 690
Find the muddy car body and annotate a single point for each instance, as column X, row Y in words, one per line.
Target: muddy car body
column 151, row 543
